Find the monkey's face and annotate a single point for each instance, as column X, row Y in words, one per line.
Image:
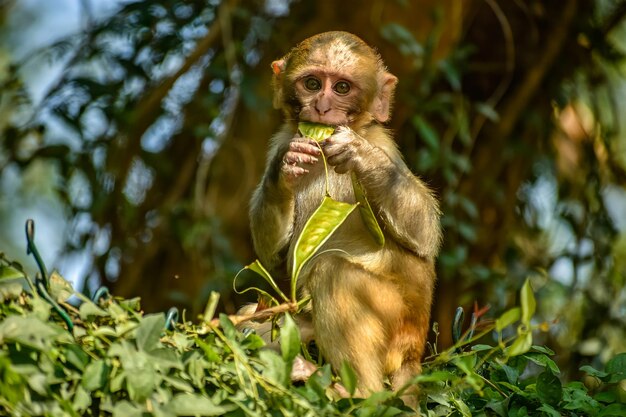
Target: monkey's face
column 328, row 98
column 333, row 78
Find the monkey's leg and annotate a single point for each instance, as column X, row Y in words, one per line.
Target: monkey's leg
column 353, row 311
column 406, row 348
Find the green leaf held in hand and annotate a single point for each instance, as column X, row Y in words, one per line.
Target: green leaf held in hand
column 317, row 230
column 315, row 131
column 367, row 214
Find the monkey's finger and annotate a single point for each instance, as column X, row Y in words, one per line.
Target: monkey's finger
column 295, row 158
column 342, row 135
column 291, row 172
column 304, row 146
column 343, row 162
column 333, row 150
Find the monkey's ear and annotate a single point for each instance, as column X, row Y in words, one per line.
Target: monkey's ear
column 381, row 107
column 278, row 67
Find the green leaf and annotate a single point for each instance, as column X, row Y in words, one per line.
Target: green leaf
column 466, row 363
column 60, row 289
column 549, row 388
column 499, row 407
column 480, row 347
column 367, row 214
column 320, row 381
column 8, row 272
column 543, row 360
column 467, row 231
column 613, row 410
column 461, row 407
column 95, row 375
column 76, row 356
column 452, row 74
column 606, row 397
column 543, row 349
column 315, row 131
column 127, row 409
column 82, row 400
column 427, row 132
column 521, row 345
column 105, row 331
column 488, row 111
column 512, row 374
column 177, row 384
column 139, row 370
column 348, row 377
column 616, row 367
column 227, row 326
column 593, row 372
column 289, row 339
column 210, row 353
column 165, row 359
column 257, row 267
column 549, row 410
column 403, row 38
column 195, row 404
column 509, row 317
column 436, row 376
column 253, row 342
column 88, row 310
column 10, row 290
column 38, row 383
column 319, row 227
column 275, row 367
column 528, row 302
column 29, row 331
column 377, row 398
column 149, row 331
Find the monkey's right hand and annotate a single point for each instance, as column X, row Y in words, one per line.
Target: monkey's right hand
column 301, row 152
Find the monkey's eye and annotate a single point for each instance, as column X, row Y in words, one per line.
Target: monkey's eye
column 342, row 87
column 312, row 84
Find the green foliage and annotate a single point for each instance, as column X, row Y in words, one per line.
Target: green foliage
column 147, row 92
column 118, row 361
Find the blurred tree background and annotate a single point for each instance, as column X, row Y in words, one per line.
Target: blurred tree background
column 138, row 155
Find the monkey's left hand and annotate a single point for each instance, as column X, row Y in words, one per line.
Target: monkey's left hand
column 347, row 151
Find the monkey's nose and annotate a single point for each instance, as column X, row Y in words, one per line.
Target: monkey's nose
column 323, row 105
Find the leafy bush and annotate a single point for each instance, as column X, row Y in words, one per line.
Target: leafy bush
column 117, row 361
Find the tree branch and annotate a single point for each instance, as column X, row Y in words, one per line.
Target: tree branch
column 513, row 108
column 617, row 15
column 259, row 315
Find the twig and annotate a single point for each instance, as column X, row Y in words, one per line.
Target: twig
column 259, row 315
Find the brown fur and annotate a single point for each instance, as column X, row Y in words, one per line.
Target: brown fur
column 370, row 305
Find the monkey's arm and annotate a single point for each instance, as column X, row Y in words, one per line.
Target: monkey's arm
column 273, row 201
column 406, row 206
column 271, row 214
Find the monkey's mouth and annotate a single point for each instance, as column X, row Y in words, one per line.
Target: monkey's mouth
column 326, row 119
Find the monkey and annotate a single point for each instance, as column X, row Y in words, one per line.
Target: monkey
column 370, row 304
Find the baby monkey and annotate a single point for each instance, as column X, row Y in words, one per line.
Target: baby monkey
column 370, row 304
